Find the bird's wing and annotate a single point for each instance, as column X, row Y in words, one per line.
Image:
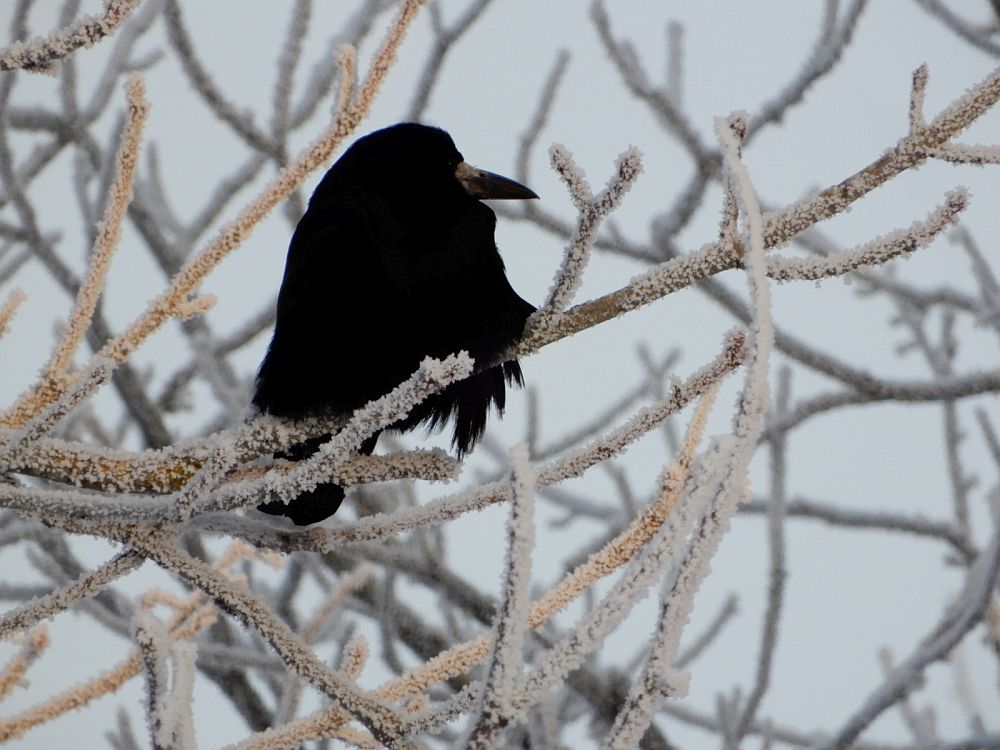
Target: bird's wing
column 333, row 333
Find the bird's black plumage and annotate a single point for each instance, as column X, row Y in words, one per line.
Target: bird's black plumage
column 393, row 261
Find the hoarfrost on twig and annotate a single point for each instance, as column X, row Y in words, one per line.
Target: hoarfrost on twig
column 40, row 54
column 505, row 663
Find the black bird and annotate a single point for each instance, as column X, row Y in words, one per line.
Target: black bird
column 393, row 261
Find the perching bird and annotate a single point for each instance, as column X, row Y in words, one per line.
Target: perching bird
column 393, row 261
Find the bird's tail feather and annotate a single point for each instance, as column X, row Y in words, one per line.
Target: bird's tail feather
column 468, row 402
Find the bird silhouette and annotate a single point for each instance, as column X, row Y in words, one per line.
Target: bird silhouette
column 393, row 261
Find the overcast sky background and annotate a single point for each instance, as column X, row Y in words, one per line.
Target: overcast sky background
column 848, row 593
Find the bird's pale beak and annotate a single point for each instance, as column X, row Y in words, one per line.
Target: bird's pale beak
column 482, row 184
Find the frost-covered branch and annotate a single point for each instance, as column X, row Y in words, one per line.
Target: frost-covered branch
column 175, row 301
column 15, row 669
column 778, row 568
column 63, row 599
column 592, row 209
column 573, row 464
column 153, row 642
column 779, row 226
column 445, row 38
column 723, row 477
column 109, row 229
column 877, row 251
column 9, row 309
column 505, row 663
column 40, row 53
column 978, row 592
column 379, row 718
column 185, row 623
column 210, row 92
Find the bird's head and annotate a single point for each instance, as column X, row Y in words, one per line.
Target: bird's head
column 412, row 160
